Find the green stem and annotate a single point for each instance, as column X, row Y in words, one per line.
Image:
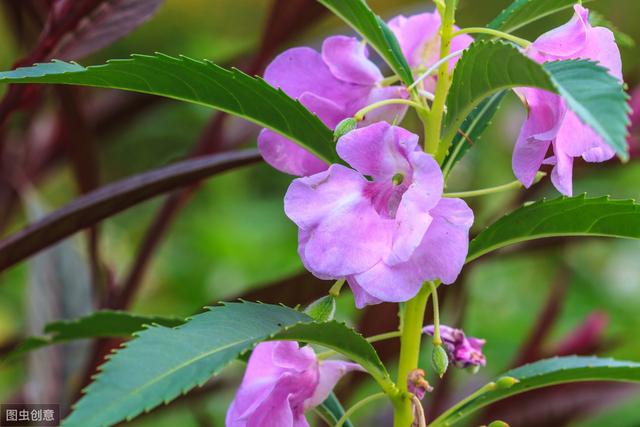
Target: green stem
column 434, row 126
column 411, row 335
column 501, row 34
column 436, row 315
column 360, row 114
column 441, row 420
column 385, row 336
column 492, row 190
column 357, row 406
column 335, row 289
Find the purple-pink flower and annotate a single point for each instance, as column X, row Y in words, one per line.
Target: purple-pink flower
column 388, row 234
column 281, row 382
column 463, row 351
column 334, row 85
column 419, row 39
column 550, row 122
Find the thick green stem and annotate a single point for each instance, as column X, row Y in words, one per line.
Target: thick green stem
column 444, row 80
column 410, row 338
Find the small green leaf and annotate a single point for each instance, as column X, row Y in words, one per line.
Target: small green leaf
column 542, row 374
column 162, row 363
column 359, row 16
column 489, row 67
column 102, row 324
column 472, row 129
column 577, row 216
column 322, row 309
column 199, row 82
column 524, row 12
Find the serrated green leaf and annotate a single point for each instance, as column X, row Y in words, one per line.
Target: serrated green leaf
column 576, row 216
column 545, row 373
column 199, row 82
column 489, row 67
column 102, row 324
column 524, row 12
column 359, row 16
column 162, row 363
column 472, row 129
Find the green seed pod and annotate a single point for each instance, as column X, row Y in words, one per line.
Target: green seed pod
column 498, row 424
column 344, row 127
column 506, row 382
column 440, row 360
column 323, row 309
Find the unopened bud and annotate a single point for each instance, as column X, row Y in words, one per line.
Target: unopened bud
column 506, row 382
column 322, row 310
column 440, row 360
column 344, row 127
column 498, row 424
column 473, row 369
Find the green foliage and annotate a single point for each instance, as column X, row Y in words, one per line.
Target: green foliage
column 576, row 216
column 542, row 374
column 487, row 68
column 332, row 410
column 323, row 309
column 524, row 12
column 358, row 15
column 162, row 363
column 199, row 82
column 472, row 129
column 102, row 324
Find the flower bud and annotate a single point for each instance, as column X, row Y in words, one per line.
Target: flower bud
column 417, row 384
column 344, row 127
column 322, row 310
column 506, row 382
column 440, row 360
column 498, row 424
column 473, row 369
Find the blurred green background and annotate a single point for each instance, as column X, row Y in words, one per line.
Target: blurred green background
column 234, row 235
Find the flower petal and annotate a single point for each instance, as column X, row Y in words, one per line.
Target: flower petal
column 378, row 150
column 390, row 113
column 287, row 156
column 301, row 70
column 362, row 298
column 443, row 250
column 562, row 173
column 413, row 217
column 347, row 235
column 397, row 283
column 568, row 39
column 330, row 373
column 348, row 60
column 418, row 37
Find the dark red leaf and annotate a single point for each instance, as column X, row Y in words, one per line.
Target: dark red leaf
column 111, row 199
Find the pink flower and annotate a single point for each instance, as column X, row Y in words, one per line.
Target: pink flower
column 550, row 123
column 386, row 235
column 334, row 85
column 281, row 382
column 419, row 39
column 463, row 351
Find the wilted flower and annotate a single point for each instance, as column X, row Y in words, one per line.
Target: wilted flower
column 419, row 39
column 549, row 121
column 463, row 351
column 334, row 84
column 386, row 235
column 281, row 382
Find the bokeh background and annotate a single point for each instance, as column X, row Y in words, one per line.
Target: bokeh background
column 231, row 239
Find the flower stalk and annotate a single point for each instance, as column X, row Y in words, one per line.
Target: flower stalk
column 496, row 33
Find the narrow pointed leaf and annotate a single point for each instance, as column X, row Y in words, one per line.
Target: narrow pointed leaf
column 358, row 15
column 577, row 216
column 199, row 82
column 489, row 67
column 101, row 324
column 472, row 129
column 332, row 410
column 524, row 12
column 543, row 374
column 162, row 363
